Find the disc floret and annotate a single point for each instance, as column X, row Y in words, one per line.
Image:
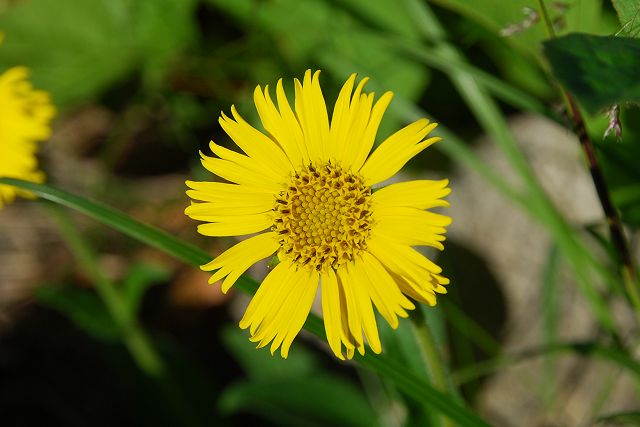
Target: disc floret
column 323, row 217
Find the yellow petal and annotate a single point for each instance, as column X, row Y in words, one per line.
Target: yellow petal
column 312, row 115
column 367, row 139
column 410, row 226
column 276, row 281
column 396, row 151
column 232, row 263
column 420, row 194
column 238, row 225
column 353, row 316
column 233, row 172
column 332, row 312
column 254, row 143
column 384, row 292
column 278, row 127
column 362, row 298
column 292, row 123
column 299, row 312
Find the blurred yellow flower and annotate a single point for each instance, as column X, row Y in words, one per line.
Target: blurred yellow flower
column 25, row 114
column 305, row 186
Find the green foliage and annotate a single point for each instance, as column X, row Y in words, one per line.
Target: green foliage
column 629, row 15
column 88, row 312
column 631, row 418
column 84, row 308
column 296, row 392
column 83, row 49
column 619, row 161
column 599, row 71
column 79, row 55
column 333, row 33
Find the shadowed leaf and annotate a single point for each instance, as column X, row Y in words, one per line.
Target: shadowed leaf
column 599, row 71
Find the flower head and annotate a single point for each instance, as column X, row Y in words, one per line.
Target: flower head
column 25, row 114
column 306, row 187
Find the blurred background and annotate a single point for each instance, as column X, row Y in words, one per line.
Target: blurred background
column 139, row 85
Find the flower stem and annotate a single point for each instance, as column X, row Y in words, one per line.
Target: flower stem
column 618, row 238
column 135, row 339
column 430, row 355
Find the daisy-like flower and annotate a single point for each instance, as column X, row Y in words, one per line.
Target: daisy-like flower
column 25, row 114
column 306, row 187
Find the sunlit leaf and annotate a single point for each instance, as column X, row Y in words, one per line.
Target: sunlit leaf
column 629, row 15
column 79, row 55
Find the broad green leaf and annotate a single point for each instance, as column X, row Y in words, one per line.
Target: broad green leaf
column 84, row 308
column 629, row 16
column 161, row 28
column 305, row 401
column 260, row 365
column 323, row 28
column 619, row 161
column 390, row 369
column 599, row 71
column 77, row 49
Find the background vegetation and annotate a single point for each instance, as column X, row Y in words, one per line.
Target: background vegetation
column 97, row 328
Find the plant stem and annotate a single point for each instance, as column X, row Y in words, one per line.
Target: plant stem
column 430, row 355
column 613, row 219
column 137, row 342
column 547, row 21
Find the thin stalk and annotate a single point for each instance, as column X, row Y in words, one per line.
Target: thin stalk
column 613, row 219
column 430, row 356
column 548, row 25
column 137, row 342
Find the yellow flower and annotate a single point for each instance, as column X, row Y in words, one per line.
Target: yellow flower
column 306, row 187
column 25, row 114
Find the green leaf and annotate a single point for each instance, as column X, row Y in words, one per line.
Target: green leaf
column 260, row 365
column 629, row 15
column 620, row 166
column 139, row 278
column 322, row 29
column 631, row 418
column 599, row 71
column 84, row 308
column 77, row 49
column 405, row 380
column 305, row 401
column 156, row 44
column 70, row 45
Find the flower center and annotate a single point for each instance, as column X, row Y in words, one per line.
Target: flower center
column 323, row 218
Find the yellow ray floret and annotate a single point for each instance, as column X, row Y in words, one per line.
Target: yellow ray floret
column 304, row 185
column 25, row 115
